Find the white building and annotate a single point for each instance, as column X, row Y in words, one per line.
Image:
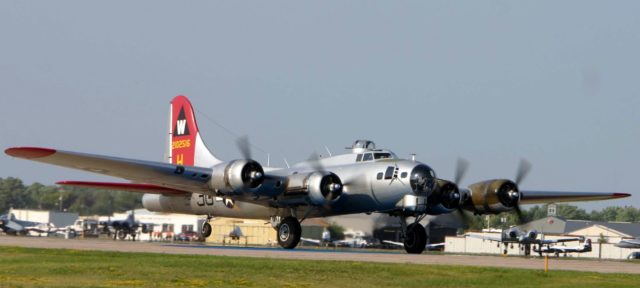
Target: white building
column 58, row 219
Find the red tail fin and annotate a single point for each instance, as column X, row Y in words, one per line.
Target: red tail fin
column 185, row 144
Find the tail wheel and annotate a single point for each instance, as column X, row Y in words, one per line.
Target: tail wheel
column 415, row 239
column 206, row 230
column 289, row 232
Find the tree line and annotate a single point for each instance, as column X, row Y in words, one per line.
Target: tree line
column 86, row 201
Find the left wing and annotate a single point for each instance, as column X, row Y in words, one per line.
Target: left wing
column 483, row 237
column 174, row 177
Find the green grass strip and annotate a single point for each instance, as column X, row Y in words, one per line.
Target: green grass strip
column 29, row 267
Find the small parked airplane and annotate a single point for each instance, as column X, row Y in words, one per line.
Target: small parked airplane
column 119, row 229
column 12, row 226
column 557, row 249
column 365, row 180
column 520, row 237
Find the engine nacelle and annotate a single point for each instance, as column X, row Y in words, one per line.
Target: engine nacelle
column 236, row 177
column 317, row 188
column 444, row 199
column 493, row 196
column 533, row 234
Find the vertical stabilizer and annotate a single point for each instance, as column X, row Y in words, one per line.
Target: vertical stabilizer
column 185, row 145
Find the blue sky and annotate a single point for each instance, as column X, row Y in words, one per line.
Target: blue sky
column 555, row 82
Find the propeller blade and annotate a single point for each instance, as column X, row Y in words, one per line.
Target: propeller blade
column 461, row 169
column 463, row 216
column 244, row 146
column 523, row 169
column 521, row 219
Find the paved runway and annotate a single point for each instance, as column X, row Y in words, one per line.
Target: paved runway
column 313, row 254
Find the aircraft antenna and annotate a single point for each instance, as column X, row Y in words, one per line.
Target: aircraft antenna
column 235, row 135
column 327, row 148
column 287, row 163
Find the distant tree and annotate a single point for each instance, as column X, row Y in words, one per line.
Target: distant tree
column 628, row 214
column 336, row 231
column 12, row 194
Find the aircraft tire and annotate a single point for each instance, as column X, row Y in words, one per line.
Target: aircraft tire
column 289, row 232
column 415, row 239
column 121, row 234
column 206, row 230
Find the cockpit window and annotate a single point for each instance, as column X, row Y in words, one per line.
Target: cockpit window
column 367, row 157
column 359, row 158
column 382, row 156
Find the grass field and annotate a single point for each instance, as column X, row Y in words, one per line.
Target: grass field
column 22, row 267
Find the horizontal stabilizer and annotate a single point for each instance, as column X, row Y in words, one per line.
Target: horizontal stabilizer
column 131, row 187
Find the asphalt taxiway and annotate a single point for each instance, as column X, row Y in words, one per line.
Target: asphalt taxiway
column 602, row 266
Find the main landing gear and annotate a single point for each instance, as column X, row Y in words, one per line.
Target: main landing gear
column 414, row 235
column 205, row 231
column 289, row 232
column 415, row 239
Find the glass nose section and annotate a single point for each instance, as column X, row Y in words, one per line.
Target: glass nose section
column 423, row 179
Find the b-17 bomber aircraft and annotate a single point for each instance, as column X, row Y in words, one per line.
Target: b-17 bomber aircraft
column 366, row 180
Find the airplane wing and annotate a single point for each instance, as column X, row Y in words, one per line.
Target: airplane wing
column 159, row 175
column 131, row 187
column 393, row 243
column 635, row 243
column 489, row 238
column 537, row 197
column 434, row 246
column 309, row 240
column 560, row 240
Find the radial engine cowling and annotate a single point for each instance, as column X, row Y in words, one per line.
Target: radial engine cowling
column 444, row 199
column 236, row 177
column 494, row 196
column 317, row 188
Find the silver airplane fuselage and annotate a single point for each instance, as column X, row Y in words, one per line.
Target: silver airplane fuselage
column 376, row 185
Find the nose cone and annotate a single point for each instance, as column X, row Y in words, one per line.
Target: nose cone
column 423, row 179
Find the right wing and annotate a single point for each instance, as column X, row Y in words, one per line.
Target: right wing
column 538, row 197
column 164, row 177
column 560, row 240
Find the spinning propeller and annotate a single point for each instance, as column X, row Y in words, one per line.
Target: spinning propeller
column 331, row 185
column 252, row 172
